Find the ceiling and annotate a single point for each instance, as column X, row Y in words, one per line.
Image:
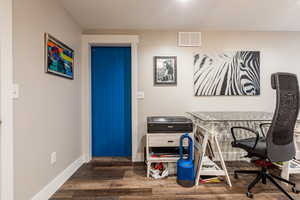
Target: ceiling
column 262, row 15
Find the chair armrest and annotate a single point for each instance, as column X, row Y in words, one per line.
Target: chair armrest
column 247, row 129
column 261, row 127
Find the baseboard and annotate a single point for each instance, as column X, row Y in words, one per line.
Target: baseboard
column 87, row 158
column 58, row 181
column 138, row 157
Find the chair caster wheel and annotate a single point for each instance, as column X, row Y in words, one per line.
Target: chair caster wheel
column 249, row 195
column 295, row 190
column 236, row 176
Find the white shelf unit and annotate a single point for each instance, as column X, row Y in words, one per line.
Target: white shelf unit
column 288, row 168
column 163, row 140
column 214, row 169
column 204, row 138
column 297, row 143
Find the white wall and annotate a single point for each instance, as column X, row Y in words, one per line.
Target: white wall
column 47, row 114
column 6, row 110
column 280, row 51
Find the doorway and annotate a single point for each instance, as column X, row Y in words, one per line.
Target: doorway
column 111, row 101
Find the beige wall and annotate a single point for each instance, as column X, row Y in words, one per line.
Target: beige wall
column 47, row 113
column 280, row 51
column 6, row 79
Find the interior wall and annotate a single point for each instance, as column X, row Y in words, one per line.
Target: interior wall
column 0, row 120
column 48, row 111
column 6, row 110
column 0, row 130
column 279, row 52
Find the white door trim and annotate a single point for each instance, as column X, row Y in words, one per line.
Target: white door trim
column 107, row 40
column 6, row 83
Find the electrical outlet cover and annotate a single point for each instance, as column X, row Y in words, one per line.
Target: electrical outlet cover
column 53, row 158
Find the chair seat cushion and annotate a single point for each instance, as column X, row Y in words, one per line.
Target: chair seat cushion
column 247, row 144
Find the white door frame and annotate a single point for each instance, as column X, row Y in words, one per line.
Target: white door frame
column 6, row 84
column 107, row 40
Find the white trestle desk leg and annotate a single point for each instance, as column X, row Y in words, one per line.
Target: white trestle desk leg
column 222, row 161
column 200, row 164
column 148, row 169
column 285, row 171
column 148, row 157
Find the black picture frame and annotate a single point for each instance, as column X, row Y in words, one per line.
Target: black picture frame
column 165, row 70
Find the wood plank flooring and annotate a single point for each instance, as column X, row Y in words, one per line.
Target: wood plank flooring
column 119, row 179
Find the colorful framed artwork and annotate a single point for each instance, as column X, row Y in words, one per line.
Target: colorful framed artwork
column 165, row 70
column 59, row 58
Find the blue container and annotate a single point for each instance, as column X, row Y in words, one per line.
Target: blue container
column 185, row 167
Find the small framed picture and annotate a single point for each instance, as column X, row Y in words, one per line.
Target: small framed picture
column 59, row 58
column 165, row 70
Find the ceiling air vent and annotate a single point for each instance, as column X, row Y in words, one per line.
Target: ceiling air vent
column 189, row 39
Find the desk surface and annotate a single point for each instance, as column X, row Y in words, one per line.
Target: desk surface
column 232, row 116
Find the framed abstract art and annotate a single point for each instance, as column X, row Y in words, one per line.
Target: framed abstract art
column 59, row 58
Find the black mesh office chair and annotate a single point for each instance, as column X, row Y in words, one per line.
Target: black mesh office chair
column 278, row 145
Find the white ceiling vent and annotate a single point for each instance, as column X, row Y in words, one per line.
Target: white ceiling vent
column 189, row 39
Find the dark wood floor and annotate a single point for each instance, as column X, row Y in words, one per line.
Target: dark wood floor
column 119, row 179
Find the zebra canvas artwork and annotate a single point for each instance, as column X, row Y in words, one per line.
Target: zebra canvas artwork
column 234, row 73
column 165, row 70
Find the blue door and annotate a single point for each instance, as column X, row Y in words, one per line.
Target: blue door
column 111, row 101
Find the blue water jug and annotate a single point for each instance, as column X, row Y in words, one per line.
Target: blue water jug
column 185, row 167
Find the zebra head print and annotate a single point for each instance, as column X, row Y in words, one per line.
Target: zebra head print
column 231, row 73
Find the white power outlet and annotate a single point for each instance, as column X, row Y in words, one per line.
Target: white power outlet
column 53, row 158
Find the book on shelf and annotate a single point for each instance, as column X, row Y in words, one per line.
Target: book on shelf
column 210, row 179
column 209, row 164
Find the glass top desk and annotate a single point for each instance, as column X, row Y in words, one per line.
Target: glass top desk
column 232, row 116
column 219, row 123
column 214, row 127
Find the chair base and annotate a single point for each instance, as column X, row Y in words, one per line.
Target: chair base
column 263, row 176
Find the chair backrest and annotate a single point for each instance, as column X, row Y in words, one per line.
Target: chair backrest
column 280, row 136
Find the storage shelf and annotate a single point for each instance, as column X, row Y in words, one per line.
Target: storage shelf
column 294, row 166
column 164, row 159
column 168, row 140
column 173, row 159
column 207, row 172
column 215, row 170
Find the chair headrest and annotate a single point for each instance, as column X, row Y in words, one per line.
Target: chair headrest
column 273, row 81
column 284, row 80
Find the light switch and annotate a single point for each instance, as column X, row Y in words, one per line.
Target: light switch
column 15, row 91
column 140, row 95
